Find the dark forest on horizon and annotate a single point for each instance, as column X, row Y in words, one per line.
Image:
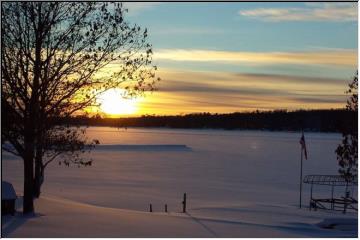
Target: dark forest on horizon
column 330, row 120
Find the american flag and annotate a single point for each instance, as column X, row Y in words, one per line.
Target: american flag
column 303, row 145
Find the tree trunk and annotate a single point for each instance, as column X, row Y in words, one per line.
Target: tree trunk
column 39, row 176
column 28, row 203
column 31, row 124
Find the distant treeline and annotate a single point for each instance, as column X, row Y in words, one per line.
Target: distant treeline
column 333, row 120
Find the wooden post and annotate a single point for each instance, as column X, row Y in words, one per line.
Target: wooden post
column 184, row 203
column 165, row 207
column 150, row 207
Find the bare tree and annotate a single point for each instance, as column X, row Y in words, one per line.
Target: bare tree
column 56, row 58
column 64, row 143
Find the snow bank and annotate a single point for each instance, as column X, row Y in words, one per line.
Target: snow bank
column 343, row 224
column 63, row 218
column 58, row 217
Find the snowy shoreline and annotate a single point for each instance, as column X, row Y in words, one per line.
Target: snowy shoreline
column 57, row 217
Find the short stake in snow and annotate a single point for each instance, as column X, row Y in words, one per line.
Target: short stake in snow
column 184, row 203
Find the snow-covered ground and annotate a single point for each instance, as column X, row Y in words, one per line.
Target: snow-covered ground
column 238, row 183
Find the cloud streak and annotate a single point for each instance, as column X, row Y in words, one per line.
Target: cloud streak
column 138, row 7
column 187, row 92
column 334, row 12
column 347, row 58
column 192, row 30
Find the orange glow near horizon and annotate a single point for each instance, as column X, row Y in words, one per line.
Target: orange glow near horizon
column 114, row 104
column 185, row 92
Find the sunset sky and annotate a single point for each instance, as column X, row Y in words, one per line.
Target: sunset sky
column 227, row 57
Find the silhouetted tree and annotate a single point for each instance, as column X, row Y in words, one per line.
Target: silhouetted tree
column 347, row 151
column 56, row 57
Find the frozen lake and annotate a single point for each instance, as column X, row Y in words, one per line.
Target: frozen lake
column 215, row 167
column 238, row 183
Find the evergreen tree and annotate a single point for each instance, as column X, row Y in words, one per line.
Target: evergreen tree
column 347, row 151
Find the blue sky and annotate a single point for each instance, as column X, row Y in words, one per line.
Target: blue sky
column 302, row 41
column 220, row 26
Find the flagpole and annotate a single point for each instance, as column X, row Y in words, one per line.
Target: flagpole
column 301, row 166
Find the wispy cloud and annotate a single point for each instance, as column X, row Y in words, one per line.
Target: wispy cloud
column 188, row 30
column 346, row 58
column 337, row 12
column 187, row 91
column 138, row 7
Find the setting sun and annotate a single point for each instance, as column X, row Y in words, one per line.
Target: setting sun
column 113, row 103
